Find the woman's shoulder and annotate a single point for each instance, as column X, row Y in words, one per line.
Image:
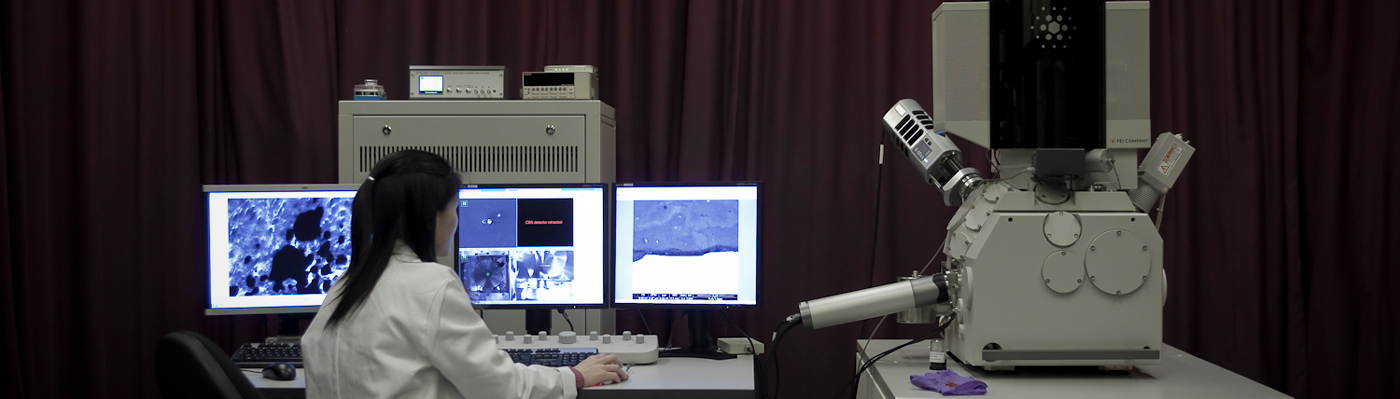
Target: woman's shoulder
column 417, row 275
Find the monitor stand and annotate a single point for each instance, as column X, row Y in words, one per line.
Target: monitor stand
column 537, row 320
column 289, row 326
column 702, row 343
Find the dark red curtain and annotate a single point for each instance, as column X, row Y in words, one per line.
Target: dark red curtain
column 112, row 116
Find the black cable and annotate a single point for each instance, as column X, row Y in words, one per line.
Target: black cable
column 876, row 358
column 644, row 322
column 566, row 319
column 875, row 229
column 772, row 354
column 672, row 332
column 778, row 333
column 753, row 350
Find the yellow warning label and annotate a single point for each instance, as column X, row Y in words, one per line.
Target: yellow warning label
column 1169, row 160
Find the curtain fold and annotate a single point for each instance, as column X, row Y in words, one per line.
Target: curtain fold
column 9, row 300
column 1278, row 237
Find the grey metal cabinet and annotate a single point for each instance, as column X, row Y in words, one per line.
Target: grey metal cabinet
column 488, row 142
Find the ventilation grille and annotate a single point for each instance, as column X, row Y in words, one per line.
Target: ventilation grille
column 909, row 129
column 488, row 159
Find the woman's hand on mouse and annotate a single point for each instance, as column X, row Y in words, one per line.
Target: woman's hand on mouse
column 601, row 368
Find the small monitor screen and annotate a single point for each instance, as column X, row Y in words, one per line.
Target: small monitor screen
column 548, row 79
column 522, row 247
column 686, row 245
column 430, row 84
column 276, row 247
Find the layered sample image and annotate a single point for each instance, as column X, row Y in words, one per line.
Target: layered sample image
column 514, row 275
column 684, row 228
column 685, row 250
column 280, row 246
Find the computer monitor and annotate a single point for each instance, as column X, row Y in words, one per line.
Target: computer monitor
column 276, row 248
column 534, row 247
column 689, row 246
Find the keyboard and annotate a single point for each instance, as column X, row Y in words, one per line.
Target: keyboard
column 552, row 357
column 547, row 350
column 253, row 355
column 629, row 348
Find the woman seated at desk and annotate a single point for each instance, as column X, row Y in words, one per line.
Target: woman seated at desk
column 399, row 325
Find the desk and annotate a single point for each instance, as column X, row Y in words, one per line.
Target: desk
column 1179, row 376
column 670, row 377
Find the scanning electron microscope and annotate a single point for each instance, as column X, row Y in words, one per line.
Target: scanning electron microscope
column 1053, row 259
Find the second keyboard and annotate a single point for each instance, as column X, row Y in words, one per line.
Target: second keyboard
column 552, row 357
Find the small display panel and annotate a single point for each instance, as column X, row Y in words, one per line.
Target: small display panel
column 430, row 84
column 549, row 79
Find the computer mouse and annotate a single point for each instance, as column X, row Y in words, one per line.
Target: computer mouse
column 281, row 371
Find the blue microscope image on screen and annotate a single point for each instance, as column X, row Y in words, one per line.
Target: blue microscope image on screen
column 280, row 246
column 516, row 250
column 517, row 274
column 684, row 228
column 487, row 223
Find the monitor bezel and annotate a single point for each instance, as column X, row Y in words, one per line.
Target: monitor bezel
column 607, row 246
column 758, row 243
column 209, row 309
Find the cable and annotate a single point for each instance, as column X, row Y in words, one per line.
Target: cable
column 793, row 321
column 1161, row 206
column 644, row 322
column 672, row 332
column 882, row 355
column 872, row 333
column 566, row 319
column 935, row 256
column 778, row 333
column 1113, row 168
column 882, row 318
column 1002, row 179
column 875, row 228
column 752, row 348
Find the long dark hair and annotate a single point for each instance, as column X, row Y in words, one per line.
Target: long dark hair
column 398, row 202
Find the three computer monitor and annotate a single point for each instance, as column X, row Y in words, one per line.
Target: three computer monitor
column 279, row 248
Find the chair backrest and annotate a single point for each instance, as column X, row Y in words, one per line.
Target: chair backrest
column 188, row 365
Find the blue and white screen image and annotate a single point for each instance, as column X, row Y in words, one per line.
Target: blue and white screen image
column 531, row 245
column 430, row 84
column 272, row 249
column 694, row 245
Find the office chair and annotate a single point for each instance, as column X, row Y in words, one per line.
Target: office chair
column 188, row 365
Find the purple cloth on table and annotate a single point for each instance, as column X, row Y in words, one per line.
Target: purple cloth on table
column 948, row 382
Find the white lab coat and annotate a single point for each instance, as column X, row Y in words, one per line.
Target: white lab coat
column 417, row 336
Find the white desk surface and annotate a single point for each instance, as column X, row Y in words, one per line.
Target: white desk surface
column 1180, row 375
column 670, row 377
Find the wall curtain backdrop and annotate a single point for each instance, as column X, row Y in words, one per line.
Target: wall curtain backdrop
column 1281, row 236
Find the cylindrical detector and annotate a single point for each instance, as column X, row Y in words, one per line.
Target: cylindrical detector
column 1098, row 161
column 857, row 305
column 875, row 301
column 919, row 315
